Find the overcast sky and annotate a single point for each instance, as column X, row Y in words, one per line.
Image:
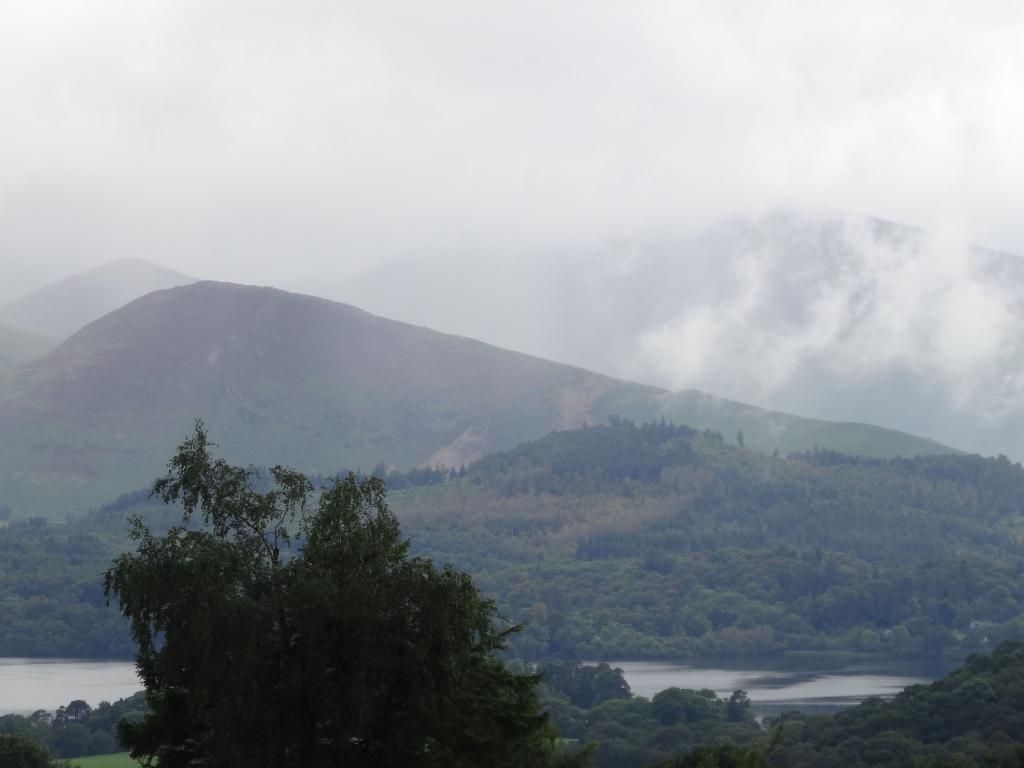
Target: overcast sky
column 553, row 177
column 300, row 143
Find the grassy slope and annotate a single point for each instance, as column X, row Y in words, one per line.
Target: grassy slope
column 117, row 760
column 320, row 385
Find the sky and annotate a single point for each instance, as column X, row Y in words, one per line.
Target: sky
column 474, row 165
column 304, row 142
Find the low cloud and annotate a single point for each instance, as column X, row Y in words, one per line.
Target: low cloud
column 852, row 299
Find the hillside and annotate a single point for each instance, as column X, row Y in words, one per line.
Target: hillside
column 324, row 384
column 61, row 308
column 665, row 542
column 18, row 346
column 840, row 317
column 973, row 717
column 645, row 542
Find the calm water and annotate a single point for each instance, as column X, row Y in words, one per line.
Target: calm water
column 773, row 685
column 30, row 684
column 778, row 685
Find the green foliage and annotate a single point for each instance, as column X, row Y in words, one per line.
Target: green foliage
column 77, row 729
column 288, row 630
column 113, row 760
column 605, row 546
column 587, row 461
column 18, row 751
column 585, row 685
column 621, row 732
column 51, row 595
column 971, row 718
column 658, row 541
column 720, row 757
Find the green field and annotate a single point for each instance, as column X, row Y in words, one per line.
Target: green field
column 117, row 760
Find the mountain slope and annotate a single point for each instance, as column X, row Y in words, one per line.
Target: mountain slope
column 18, row 346
column 657, row 541
column 324, row 385
column 61, row 308
column 972, row 717
column 838, row 317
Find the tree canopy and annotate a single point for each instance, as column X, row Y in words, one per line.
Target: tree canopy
column 19, row 751
column 281, row 627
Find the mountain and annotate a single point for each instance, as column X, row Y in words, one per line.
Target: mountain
column 18, row 346
column 833, row 316
column 61, row 308
column 322, row 385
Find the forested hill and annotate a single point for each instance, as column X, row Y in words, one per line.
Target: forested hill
column 973, row 717
column 623, row 541
column 621, row 490
column 326, row 385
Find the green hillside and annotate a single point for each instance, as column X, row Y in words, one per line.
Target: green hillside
column 973, row 717
column 661, row 541
column 326, row 385
column 644, row 542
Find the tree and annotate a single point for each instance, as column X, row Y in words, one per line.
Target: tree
column 19, row 751
column 277, row 628
column 737, row 709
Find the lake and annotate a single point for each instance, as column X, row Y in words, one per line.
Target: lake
column 774, row 685
column 777, row 685
column 30, row 684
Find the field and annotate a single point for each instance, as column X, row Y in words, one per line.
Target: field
column 118, row 760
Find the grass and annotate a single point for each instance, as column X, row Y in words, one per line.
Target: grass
column 116, row 760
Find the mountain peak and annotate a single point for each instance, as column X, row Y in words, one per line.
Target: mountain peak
column 327, row 385
column 59, row 309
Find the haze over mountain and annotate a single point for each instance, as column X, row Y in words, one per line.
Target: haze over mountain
column 59, row 309
column 18, row 346
column 327, row 385
column 831, row 316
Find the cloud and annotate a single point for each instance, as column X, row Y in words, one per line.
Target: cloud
column 851, row 300
column 554, row 176
column 303, row 143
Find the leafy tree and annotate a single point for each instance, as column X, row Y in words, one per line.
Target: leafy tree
column 738, row 708
column 276, row 628
column 19, row 751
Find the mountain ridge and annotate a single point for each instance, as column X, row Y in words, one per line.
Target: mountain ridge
column 325, row 384
column 60, row 308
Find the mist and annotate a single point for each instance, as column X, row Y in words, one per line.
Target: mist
column 589, row 182
column 300, row 146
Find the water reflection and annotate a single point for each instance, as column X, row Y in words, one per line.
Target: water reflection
column 30, row 684
column 776, row 685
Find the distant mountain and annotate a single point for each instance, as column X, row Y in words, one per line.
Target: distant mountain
column 280, row 376
column 61, row 308
column 837, row 317
column 18, row 346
